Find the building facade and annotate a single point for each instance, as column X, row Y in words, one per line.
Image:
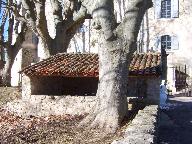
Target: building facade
column 167, row 25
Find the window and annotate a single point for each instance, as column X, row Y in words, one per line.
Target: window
column 166, row 42
column 166, row 9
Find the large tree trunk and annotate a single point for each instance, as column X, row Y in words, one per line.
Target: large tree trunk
column 114, row 60
column 61, row 41
column 112, row 92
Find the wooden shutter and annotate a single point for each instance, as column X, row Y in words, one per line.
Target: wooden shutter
column 157, row 9
column 158, row 43
column 174, row 8
column 174, row 43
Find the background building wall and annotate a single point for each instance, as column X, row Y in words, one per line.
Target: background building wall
column 180, row 28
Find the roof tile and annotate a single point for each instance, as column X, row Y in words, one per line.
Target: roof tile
column 86, row 65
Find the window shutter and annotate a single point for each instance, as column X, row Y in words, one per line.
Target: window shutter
column 174, row 8
column 158, row 43
column 174, row 43
column 158, row 9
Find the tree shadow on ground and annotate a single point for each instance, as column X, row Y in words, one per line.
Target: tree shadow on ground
column 176, row 123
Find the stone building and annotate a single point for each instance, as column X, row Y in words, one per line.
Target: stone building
column 167, row 25
column 77, row 75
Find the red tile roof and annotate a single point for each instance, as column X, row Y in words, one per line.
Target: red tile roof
column 86, row 65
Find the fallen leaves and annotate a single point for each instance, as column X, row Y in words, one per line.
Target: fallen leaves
column 62, row 129
column 15, row 129
column 51, row 129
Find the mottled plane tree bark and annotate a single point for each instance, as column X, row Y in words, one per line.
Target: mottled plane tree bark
column 30, row 15
column 66, row 22
column 117, row 45
column 8, row 47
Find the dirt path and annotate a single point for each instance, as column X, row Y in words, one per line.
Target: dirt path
column 176, row 123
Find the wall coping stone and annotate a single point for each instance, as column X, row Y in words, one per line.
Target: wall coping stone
column 143, row 128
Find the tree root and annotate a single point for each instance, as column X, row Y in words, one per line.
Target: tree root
column 101, row 120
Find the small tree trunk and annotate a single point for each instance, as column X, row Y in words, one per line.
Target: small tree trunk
column 6, row 73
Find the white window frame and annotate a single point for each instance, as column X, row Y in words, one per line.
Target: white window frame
column 174, row 9
column 166, row 9
column 166, row 42
column 174, row 43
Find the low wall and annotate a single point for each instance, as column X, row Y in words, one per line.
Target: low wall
column 143, row 129
column 142, row 87
column 42, row 105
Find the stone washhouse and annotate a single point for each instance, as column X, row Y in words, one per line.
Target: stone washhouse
column 77, row 75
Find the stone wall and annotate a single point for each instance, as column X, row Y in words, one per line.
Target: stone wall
column 140, row 87
column 26, row 87
column 52, row 94
column 43, row 105
column 143, row 129
column 153, row 90
column 144, row 87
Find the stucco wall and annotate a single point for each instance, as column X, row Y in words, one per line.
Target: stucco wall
column 181, row 27
column 153, row 90
column 16, row 68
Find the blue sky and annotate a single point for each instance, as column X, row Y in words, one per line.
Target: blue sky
column 6, row 25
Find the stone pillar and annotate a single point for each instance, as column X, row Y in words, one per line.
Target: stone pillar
column 164, row 64
column 26, row 87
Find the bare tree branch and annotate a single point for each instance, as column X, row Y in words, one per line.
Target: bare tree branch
column 4, row 17
column 134, row 10
column 69, row 8
column 30, row 14
column 57, row 11
column 41, row 22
